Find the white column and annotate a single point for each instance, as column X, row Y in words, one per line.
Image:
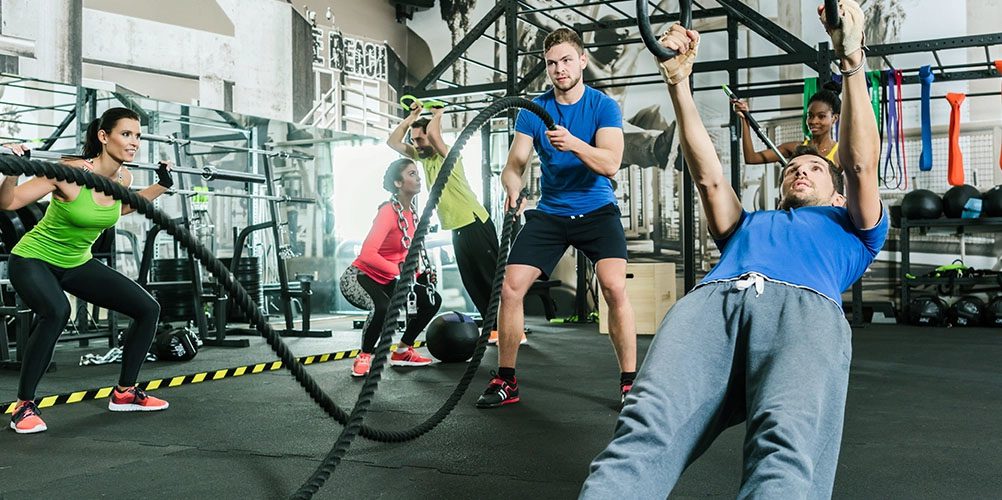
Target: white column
column 59, row 40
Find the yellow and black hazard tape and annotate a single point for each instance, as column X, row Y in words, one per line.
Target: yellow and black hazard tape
column 194, row 378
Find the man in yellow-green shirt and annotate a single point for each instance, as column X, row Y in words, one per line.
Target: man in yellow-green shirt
column 474, row 237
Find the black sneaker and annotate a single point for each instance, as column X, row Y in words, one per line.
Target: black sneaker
column 624, row 390
column 499, row 393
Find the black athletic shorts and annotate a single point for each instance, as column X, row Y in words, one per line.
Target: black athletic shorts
column 544, row 238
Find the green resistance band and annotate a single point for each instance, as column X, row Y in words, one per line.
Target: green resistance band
column 407, row 100
column 811, row 88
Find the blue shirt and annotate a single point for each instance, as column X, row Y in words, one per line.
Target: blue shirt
column 568, row 187
column 813, row 247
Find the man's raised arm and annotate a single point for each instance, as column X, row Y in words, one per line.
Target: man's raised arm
column 396, row 139
column 859, row 146
column 723, row 210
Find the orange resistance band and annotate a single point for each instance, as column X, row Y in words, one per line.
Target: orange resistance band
column 998, row 67
column 955, row 168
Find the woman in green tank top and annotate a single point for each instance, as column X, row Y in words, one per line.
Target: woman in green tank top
column 55, row 258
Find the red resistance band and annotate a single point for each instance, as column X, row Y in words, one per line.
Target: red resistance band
column 955, row 165
column 998, row 67
column 901, row 127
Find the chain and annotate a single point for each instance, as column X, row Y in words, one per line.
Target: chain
column 403, row 224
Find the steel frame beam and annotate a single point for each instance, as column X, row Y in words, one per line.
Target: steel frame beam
column 737, row 13
column 471, row 36
column 769, row 30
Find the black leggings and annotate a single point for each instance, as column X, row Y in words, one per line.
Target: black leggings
column 41, row 285
column 380, row 295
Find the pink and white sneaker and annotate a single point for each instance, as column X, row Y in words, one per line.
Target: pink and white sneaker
column 26, row 420
column 134, row 399
column 408, row 357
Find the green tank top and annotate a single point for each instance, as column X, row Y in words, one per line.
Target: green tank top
column 64, row 236
column 458, row 206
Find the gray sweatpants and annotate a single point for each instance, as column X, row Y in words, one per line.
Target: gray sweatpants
column 772, row 355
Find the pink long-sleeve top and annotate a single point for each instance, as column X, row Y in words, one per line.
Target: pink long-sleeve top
column 383, row 249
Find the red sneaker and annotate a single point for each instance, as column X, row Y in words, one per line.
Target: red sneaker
column 499, row 392
column 25, row 419
column 408, row 357
column 134, row 399
column 360, row 367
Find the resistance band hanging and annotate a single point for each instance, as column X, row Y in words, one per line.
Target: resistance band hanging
column 925, row 158
column 894, row 175
column 998, row 67
column 874, row 86
column 873, row 81
column 879, row 90
column 955, row 164
column 810, row 88
column 903, row 155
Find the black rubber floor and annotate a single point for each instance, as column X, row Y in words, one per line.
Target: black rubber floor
column 922, row 422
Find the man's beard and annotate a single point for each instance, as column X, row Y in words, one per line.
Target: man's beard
column 425, row 152
column 792, row 201
column 570, row 85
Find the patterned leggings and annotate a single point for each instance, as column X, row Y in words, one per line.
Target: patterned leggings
column 364, row 293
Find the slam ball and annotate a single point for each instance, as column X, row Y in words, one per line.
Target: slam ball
column 922, row 204
column 991, row 202
column 452, row 337
column 956, row 198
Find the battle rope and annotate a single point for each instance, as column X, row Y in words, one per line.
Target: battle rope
column 354, row 426
column 14, row 165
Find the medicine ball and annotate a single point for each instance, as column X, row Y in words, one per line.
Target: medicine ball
column 895, row 212
column 966, row 311
column 927, row 310
column 991, row 202
column 993, row 313
column 921, row 204
column 175, row 344
column 452, row 337
column 955, row 199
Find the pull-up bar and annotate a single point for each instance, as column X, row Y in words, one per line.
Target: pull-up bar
column 209, row 173
column 192, row 142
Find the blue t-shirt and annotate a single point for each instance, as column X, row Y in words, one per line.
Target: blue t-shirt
column 568, row 187
column 814, row 247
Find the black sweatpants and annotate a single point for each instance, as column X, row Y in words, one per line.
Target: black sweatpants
column 476, row 246
column 381, row 296
column 41, row 286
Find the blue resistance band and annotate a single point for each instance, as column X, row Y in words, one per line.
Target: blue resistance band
column 925, row 159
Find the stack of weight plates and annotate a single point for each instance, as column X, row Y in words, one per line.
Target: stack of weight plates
column 247, row 271
column 176, row 300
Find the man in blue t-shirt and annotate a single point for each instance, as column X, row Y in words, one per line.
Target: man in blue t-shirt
column 762, row 339
column 576, row 208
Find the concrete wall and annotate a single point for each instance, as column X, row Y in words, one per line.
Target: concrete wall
column 985, row 16
column 251, row 53
column 372, row 19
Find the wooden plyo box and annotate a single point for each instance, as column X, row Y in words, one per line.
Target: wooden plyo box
column 651, row 288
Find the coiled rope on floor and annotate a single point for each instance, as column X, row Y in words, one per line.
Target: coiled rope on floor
column 15, row 165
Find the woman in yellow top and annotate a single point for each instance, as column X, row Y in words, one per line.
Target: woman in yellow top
column 822, row 114
column 55, row 257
